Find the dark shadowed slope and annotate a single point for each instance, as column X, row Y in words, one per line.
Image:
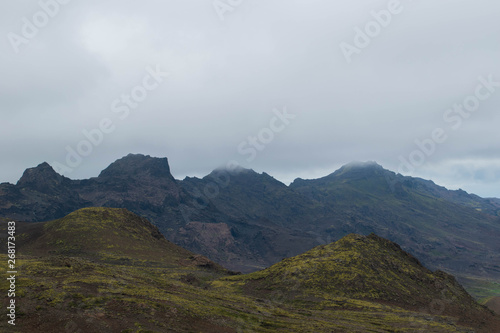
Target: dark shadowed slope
column 443, row 234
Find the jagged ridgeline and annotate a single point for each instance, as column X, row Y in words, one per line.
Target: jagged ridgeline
column 109, row 270
column 247, row 221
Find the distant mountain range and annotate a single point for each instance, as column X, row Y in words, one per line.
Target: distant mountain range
column 109, row 270
column 247, row 221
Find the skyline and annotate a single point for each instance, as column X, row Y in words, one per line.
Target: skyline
column 232, row 165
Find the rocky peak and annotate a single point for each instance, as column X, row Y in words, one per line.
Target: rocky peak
column 137, row 166
column 40, row 178
column 356, row 169
column 350, row 172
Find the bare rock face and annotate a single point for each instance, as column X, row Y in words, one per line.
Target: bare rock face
column 40, row 195
column 41, row 178
column 134, row 180
column 213, row 239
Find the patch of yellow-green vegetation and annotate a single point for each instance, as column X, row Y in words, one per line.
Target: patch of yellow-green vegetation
column 4, row 284
column 481, row 288
column 51, row 296
column 356, row 276
column 106, row 233
column 113, row 265
column 355, row 266
column 146, row 294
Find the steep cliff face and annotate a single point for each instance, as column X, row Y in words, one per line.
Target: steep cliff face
column 139, row 183
column 215, row 239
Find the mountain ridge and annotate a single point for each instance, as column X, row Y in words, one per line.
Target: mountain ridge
column 257, row 220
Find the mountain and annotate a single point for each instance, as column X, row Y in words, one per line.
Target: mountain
column 40, row 195
column 109, row 270
column 264, row 216
column 494, row 304
column 142, row 184
column 139, row 182
column 367, row 268
column 445, row 229
column 259, row 197
column 247, row 221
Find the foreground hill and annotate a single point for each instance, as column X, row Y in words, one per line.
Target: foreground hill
column 368, row 268
column 97, row 269
column 248, row 221
column 105, row 234
column 108, row 270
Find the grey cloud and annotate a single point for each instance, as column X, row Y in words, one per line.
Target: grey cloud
column 227, row 76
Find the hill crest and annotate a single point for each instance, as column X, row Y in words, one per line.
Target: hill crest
column 106, row 234
column 365, row 268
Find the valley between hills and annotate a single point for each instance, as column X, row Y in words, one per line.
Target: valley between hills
column 360, row 250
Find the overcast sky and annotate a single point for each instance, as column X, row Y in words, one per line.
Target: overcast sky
column 295, row 88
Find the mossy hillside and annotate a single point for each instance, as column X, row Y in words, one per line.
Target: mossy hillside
column 130, row 292
column 360, row 267
column 104, row 297
column 106, row 233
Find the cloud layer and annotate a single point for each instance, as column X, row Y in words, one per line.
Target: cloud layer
column 228, row 77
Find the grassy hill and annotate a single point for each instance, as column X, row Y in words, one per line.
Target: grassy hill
column 102, row 233
column 365, row 268
column 108, row 270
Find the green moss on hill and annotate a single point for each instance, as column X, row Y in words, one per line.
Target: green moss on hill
column 364, row 268
column 107, row 270
column 108, row 234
